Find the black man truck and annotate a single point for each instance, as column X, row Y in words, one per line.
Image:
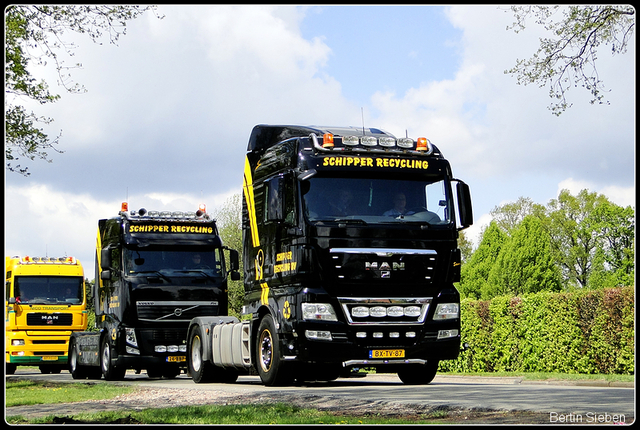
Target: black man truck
column 350, row 257
column 45, row 303
column 155, row 271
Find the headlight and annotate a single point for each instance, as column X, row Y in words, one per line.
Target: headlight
column 17, row 342
column 447, row 311
column 318, row 311
column 130, row 335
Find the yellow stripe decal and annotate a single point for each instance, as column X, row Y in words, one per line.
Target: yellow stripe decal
column 251, row 207
column 264, row 294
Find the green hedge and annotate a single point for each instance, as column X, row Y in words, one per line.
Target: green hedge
column 589, row 331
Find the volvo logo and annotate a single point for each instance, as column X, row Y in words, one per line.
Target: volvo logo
column 177, row 312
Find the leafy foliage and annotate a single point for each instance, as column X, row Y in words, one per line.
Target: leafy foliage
column 582, row 241
column 229, row 222
column 33, row 35
column 568, row 58
column 587, row 331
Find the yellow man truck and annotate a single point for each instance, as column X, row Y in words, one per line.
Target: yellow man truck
column 45, row 302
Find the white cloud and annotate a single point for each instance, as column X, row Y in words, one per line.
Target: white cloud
column 622, row 196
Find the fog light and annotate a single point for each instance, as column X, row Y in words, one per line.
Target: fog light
column 160, row 348
column 318, row 335
column 360, row 311
column 412, row 311
column 395, row 311
column 377, row 335
column 172, row 348
column 394, row 334
column 132, row 350
column 444, row 334
column 361, row 334
column 410, row 334
column 182, row 348
column 378, row 311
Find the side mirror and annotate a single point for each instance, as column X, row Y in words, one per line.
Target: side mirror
column 234, row 264
column 105, row 275
column 465, row 209
column 234, row 260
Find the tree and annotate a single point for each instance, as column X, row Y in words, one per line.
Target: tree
column 574, row 235
column 509, row 215
column 229, row 222
column 569, row 57
column 525, row 264
column 614, row 227
column 475, row 271
column 33, row 35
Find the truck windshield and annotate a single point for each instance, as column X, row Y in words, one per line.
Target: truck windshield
column 191, row 261
column 48, row 289
column 377, row 200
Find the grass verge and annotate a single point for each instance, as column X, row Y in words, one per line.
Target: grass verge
column 23, row 392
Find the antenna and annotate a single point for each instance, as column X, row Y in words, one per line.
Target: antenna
column 362, row 113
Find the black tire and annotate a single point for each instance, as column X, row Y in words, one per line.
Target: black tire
column 200, row 369
column 269, row 363
column 109, row 371
column 77, row 371
column 419, row 374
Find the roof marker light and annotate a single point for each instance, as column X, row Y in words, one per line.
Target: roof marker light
column 368, row 141
column 387, row 142
column 423, row 144
column 327, row 140
column 124, row 207
column 350, row 140
column 405, row 142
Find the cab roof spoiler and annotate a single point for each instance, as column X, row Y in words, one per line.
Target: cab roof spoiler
column 265, row 136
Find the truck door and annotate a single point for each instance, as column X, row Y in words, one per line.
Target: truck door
column 280, row 229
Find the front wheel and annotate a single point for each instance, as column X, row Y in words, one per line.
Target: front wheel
column 419, row 374
column 109, row 371
column 271, row 369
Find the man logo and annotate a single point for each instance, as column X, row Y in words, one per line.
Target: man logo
column 374, row 265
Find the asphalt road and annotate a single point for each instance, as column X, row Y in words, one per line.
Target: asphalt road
column 591, row 402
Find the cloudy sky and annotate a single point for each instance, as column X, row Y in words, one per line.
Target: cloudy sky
column 167, row 113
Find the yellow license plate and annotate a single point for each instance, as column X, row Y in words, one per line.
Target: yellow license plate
column 176, row 358
column 49, row 358
column 386, row 353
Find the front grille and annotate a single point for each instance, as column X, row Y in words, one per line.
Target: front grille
column 172, row 311
column 49, row 319
column 385, row 311
column 49, row 342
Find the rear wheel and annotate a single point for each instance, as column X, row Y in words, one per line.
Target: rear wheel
column 419, row 374
column 271, row 369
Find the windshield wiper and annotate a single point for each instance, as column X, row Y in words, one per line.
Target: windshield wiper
column 350, row 221
column 154, row 272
